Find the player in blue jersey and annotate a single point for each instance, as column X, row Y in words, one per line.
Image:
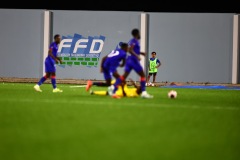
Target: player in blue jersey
column 133, row 63
column 50, row 67
column 109, row 65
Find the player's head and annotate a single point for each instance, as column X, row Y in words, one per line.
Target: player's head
column 136, row 33
column 124, row 46
column 154, row 54
column 57, row 38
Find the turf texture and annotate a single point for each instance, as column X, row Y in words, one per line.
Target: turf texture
column 74, row 125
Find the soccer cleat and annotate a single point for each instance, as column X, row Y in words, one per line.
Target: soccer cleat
column 146, row 95
column 89, row 85
column 91, row 92
column 110, row 90
column 37, row 88
column 116, row 96
column 55, row 90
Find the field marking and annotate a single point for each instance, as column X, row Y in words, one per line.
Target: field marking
column 154, row 105
column 81, row 86
column 78, row 86
column 61, row 86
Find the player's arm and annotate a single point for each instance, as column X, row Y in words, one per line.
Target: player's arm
column 143, row 53
column 131, row 51
column 133, row 83
column 59, row 60
column 123, row 62
column 102, row 61
column 158, row 63
column 139, row 89
column 51, row 55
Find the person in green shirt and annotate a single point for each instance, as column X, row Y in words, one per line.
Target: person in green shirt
column 153, row 65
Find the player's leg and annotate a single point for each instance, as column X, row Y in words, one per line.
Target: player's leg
column 54, row 83
column 45, row 77
column 53, row 80
column 100, row 84
column 113, row 88
column 107, row 82
column 41, row 81
column 154, row 77
column 100, row 93
column 107, row 76
column 139, row 70
column 89, row 85
column 148, row 78
column 119, row 80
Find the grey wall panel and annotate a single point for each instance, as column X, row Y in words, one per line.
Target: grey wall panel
column 114, row 26
column 21, row 43
column 192, row 46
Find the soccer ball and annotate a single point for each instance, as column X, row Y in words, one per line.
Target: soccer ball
column 172, row 94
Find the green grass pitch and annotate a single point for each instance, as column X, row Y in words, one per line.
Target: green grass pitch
column 201, row 124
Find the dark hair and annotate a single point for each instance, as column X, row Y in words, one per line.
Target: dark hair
column 123, row 45
column 154, row 53
column 135, row 32
column 56, row 35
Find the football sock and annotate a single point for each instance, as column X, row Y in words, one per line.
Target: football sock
column 42, row 80
column 53, row 80
column 143, row 83
column 117, row 83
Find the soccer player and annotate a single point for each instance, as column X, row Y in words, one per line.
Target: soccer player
column 153, row 65
column 123, row 90
column 109, row 65
column 133, row 62
column 50, row 67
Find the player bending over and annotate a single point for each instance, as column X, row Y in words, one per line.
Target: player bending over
column 133, row 63
column 109, row 65
column 50, row 67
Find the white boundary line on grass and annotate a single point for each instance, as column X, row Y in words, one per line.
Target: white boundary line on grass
column 78, row 86
column 26, row 84
column 89, row 103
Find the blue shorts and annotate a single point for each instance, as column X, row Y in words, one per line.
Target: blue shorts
column 50, row 66
column 108, row 71
column 134, row 64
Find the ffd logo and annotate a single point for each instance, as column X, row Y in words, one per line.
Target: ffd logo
column 78, row 50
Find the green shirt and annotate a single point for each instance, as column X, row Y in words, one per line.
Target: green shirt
column 152, row 65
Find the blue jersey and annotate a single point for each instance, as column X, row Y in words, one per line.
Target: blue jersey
column 135, row 42
column 114, row 58
column 54, row 48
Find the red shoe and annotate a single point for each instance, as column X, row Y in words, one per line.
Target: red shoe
column 89, row 85
column 116, row 96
